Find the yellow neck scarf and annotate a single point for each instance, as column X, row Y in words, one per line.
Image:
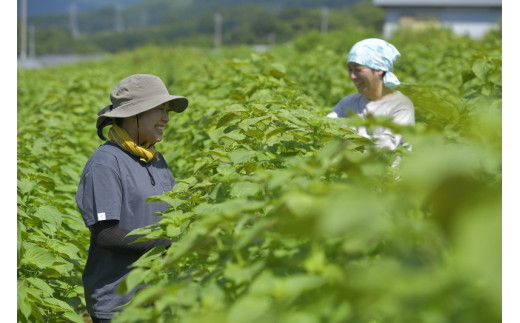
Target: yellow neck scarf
column 122, row 138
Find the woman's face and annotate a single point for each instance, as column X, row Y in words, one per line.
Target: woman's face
column 367, row 81
column 152, row 124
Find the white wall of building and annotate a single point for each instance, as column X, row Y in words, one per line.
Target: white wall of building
column 474, row 22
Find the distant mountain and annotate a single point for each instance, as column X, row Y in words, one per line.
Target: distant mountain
column 69, row 26
column 51, row 7
column 46, row 7
column 92, row 16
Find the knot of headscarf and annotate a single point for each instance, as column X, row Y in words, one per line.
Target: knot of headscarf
column 378, row 55
column 123, row 139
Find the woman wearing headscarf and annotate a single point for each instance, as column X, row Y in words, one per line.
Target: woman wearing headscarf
column 116, row 181
column 370, row 64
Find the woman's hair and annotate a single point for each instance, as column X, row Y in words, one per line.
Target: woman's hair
column 106, row 122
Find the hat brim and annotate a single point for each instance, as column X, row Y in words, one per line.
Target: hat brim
column 134, row 107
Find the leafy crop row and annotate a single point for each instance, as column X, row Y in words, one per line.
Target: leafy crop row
column 280, row 214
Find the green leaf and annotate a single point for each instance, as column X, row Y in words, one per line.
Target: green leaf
column 173, row 202
column 246, row 236
column 212, row 297
column 481, row 68
column 219, row 154
column 37, row 256
column 242, row 274
column 246, row 123
column 73, row 316
column 57, row 304
column 68, row 250
column 132, row 280
column 60, row 268
column 179, row 187
column 239, row 205
column 240, row 155
column 250, row 167
column 49, row 214
column 67, row 188
column 206, row 209
column 285, row 115
column 226, row 170
column 19, row 242
column 185, row 245
column 23, row 304
column 249, row 308
column 277, row 70
column 271, row 135
column 226, row 119
column 173, row 230
column 302, row 204
column 255, row 133
column 234, row 135
column 44, row 181
column 298, row 284
column 41, row 285
column 244, row 189
column 236, row 108
column 215, row 134
column 169, row 298
column 262, row 95
column 25, row 185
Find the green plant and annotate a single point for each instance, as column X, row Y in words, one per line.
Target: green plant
column 279, row 213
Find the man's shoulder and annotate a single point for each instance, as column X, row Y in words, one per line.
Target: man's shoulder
column 403, row 101
column 355, row 102
column 107, row 153
column 351, row 98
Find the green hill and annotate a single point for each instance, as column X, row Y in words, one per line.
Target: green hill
column 158, row 22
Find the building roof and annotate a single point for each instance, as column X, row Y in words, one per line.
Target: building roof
column 438, row 3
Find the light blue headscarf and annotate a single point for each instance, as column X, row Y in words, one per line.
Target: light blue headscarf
column 378, row 55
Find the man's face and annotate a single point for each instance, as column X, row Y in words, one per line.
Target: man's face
column 366, row 80
column 152, row 123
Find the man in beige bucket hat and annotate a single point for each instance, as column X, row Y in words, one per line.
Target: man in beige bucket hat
column 116, row 182
column 135, row 94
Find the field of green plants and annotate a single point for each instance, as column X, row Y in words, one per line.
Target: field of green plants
column 279, row 213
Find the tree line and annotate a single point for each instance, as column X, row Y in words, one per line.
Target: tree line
column 105, row 30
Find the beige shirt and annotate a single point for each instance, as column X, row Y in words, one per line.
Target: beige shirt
column 396, row 106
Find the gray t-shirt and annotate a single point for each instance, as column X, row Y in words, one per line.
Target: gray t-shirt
column 114, row 186
column 396, row 106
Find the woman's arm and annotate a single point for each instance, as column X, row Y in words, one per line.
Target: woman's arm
column 107, row 234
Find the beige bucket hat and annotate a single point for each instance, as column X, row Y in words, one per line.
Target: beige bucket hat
column 138, row 93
